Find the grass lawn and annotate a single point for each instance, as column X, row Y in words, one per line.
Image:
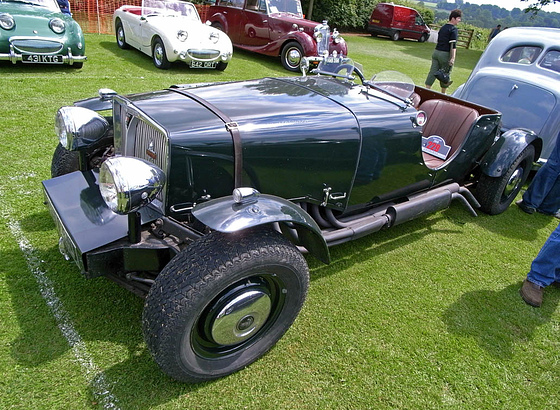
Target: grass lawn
column 425, row 315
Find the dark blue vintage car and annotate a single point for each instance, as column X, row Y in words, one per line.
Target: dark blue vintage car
column 519, row 75
column 202, row 198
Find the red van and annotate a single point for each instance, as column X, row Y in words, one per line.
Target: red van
column 397, row 22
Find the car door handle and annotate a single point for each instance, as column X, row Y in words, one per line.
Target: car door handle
column 515, row 87
column 265, row 21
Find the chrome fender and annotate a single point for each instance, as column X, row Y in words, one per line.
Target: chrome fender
column 506, row 149
column 225, row 215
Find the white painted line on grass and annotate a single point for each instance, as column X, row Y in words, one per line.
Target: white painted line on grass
column 96, row 378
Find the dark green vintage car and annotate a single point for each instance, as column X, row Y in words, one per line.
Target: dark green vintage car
column 37, row 32
column 202, row 198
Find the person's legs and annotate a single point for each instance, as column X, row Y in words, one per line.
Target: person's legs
column 430, row 79
column 545, row 270
column 543, row 188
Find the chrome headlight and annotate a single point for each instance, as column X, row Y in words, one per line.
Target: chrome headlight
column 214, row 37
column 57, row 25
column 78, row 127
column 126, row 183
column 7, row 21
column 182, row 35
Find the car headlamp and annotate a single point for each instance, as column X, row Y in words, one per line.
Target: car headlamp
column 126, row 183
column 182, row 35
column 57, row 25
column 7, row 21
column 78, row 127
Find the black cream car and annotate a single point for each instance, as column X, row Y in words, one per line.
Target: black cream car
column 203, row 198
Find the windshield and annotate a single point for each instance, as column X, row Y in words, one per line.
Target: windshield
column 49, row 4
column 292, row 7
column 393, row 82
column 170, row 8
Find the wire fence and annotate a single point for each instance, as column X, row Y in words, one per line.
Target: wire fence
column 96, row 16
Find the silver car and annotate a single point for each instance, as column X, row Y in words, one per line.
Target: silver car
column 519, row 75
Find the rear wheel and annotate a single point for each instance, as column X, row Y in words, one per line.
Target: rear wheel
column 119, row 34
column 159, row 56
column 495, row 194
column 291, row 56
column 223, row 302
column 396, row 35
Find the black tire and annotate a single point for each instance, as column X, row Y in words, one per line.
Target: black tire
column 423, row 38
column 395, row 35
column 495, row 194
column 291, row 56
column 77, row 66
column 119, row 34
column 223, row 302
column 221, row 66
column 64, row 161
column 218, row 26
column 159, row 55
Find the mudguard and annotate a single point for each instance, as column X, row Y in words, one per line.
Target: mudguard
column 224, row 215
column 506, row 149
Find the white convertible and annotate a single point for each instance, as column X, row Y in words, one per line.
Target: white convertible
column 171, row 30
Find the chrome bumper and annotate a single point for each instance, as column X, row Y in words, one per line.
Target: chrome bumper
column 14, row 57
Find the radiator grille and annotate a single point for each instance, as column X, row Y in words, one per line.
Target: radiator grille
column 138, row 136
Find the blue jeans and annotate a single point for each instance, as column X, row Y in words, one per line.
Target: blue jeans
column 545, row 268
column 543, row 192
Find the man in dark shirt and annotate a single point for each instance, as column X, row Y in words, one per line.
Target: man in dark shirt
column 446, row 48
column 495, row 32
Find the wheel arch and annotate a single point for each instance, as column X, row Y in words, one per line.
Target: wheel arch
column 224, row 215
column 506, row 149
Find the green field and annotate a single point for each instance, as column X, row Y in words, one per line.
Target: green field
column 426, row 315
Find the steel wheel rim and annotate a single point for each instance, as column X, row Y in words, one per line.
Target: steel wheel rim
column 120, row 35
column 158, row 54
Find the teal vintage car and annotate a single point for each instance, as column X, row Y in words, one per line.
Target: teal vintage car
column 37, row 32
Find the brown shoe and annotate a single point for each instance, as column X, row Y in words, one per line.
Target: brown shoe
column 531, row 293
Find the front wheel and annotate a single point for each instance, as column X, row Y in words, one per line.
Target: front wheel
column 223, row 302
column 495, row 194
column 119, row 34
column 423, row 38
column 395, row 36
column 159, row 56
column 221, row 66
column 292, row 54
column 64, row 161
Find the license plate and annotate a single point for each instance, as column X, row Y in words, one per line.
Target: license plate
column 203, row 64
column 40, row 59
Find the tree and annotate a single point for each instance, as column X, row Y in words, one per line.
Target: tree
column 538, row 5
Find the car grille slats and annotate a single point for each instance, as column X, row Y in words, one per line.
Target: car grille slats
column 36, row 46
column 138, row 136
column 204, row 54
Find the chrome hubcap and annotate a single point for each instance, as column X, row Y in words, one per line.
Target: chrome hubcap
column 293, row 57
column 241, row 317
column 513, row 182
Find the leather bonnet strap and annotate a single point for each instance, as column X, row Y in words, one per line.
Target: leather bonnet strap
column 231, row 127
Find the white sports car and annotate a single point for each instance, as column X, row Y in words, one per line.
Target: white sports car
column 171, row 30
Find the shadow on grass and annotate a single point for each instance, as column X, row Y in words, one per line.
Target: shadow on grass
column 499, row 320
